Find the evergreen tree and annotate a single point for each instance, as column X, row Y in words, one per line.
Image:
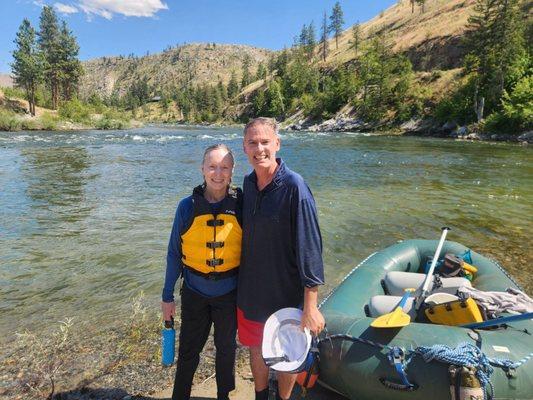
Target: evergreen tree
column 246, row 76
column 50, row 47
column 261, row 72
column 413, row 2
column 223, row 90
column 301, row 77
column 282, row 62
column 356, row 37
column 28, row 62
column 274, row 100
column 324, row 37
column 302, row 38
column 259, row 103
column 310, row 42
column 233, row 86
column 70, row 67
column 336, row 22
column 422, row 4
column 497, row 56
column 377, row 73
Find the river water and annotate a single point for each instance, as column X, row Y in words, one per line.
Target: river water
column 85, row 216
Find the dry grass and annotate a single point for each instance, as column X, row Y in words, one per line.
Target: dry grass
column 194, row 63
column 441, row 19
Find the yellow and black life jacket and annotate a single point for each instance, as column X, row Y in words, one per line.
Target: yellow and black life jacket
column 211, row 245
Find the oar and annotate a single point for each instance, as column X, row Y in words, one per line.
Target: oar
column 429, row 276
column 397, row 318
column 499, row 321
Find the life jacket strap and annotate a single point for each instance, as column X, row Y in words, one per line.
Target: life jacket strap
column 215, row 222
column 214, row 276
column 214, row 262
column 214, row 245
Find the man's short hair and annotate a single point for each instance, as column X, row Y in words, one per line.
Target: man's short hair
column 270, row 122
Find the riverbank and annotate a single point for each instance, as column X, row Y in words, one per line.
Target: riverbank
column 72, row 116
column 415, row 127
column 78, row 362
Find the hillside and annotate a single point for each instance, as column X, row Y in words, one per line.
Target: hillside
column 178, row 66
column 430, row 37
column 6, row 80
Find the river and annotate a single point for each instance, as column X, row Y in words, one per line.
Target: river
column 85, row 216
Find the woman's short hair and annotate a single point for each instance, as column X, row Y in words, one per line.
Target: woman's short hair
column 216, row 147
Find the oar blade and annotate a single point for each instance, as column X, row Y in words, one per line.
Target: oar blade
column 396, row 319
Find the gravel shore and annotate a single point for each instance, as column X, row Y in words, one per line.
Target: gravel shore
column 78, row 361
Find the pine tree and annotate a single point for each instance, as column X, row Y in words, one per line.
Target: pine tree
column 282, row 62
column 233, row 86
column 28, row 62
column 310, row 41
column 324, row 37
column 413, row 2
column 337, row 20
column 302, row 38
column 497, row 57
column 70, row 67
column 246, row 76
column 50, row 47
column 356, row 37
column 274, row 100
column 223, row 90
column 422, row 4
column 261, row 72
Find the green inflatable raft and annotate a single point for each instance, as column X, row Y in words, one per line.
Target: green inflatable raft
column 413, row 362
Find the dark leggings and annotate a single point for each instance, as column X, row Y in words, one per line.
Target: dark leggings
column 197, row 315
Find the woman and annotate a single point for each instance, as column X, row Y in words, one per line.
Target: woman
column 205, row 248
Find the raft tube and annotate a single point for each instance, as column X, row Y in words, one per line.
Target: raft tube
column 360, row 369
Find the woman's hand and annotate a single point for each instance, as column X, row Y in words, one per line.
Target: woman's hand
column 169, row 310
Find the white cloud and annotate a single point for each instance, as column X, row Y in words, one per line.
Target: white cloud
column 39, row 3
column 129, row 8
column 65, row 8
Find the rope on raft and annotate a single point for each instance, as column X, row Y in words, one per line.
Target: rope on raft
column 465, row 354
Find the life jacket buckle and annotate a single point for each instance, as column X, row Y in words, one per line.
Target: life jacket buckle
column 214, row 262
column 214, row 245
column 215, row 222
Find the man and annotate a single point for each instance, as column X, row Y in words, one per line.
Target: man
column 281, row 260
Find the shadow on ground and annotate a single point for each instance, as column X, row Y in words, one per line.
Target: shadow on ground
column 315, row 393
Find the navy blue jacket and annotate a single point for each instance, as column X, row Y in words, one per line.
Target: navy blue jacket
column 199, row 284
column 281, row 245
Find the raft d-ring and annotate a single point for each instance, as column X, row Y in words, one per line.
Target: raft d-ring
column 510, row 373
column 398, row 386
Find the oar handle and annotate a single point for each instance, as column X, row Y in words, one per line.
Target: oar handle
column 404, row 298
column 499, row 321
column 429, row 276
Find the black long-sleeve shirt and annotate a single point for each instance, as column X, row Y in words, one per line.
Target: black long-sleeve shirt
column 281, row 245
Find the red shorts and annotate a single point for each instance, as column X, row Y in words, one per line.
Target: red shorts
column 250, row 332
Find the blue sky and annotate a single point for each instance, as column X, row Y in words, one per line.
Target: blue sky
column 113, row 27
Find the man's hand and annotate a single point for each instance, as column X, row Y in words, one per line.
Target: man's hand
column 169, row 310
column 312, row 318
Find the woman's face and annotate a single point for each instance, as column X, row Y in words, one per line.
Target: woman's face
column 217, row 169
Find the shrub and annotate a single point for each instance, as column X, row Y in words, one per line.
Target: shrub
column 75, row 111
column 9, row 121
column 49, row 121
column 11, row 92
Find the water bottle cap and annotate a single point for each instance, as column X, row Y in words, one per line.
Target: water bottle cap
column 169, row 324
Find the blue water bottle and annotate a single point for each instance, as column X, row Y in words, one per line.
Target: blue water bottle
column 168, row 343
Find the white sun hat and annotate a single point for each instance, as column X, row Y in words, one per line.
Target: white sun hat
column 285, row 345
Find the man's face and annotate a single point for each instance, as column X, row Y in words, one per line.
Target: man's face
column 260, row 145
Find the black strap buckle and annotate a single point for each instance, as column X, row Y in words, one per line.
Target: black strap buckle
column 215, row 222
column 214, row 262
column 214, row 245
